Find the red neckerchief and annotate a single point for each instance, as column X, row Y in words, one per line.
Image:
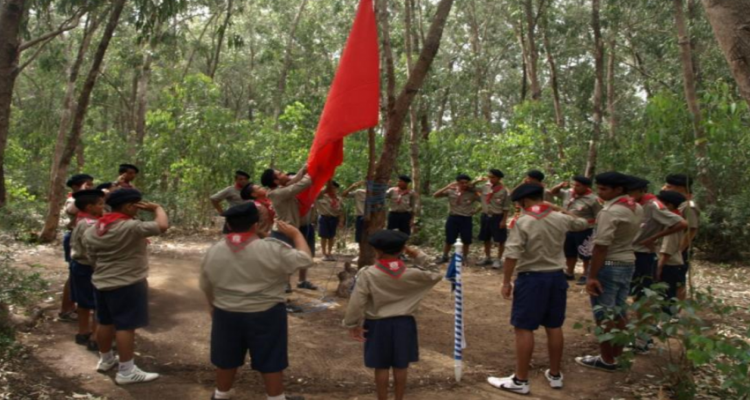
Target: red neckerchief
column 334, row 201
column 538, row 211
column 460, row 196
column 626, row 201
column 267, row 204
column 575, row 195
column 83, row 215
column 401, row 194
column 393, row 267
column 70, row 195
column 238, row 241
column 238, row 186
column 650, row 197
column 513, row 221
column 104, row 222
column 495, row 189
column 676, row 211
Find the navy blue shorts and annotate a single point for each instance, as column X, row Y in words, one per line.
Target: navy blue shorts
column 539, row 298
column 359, row 227
column 400, row 221
column 456, row 226
column 645, row 271
column 309, row 232
column 327, row 225
column 391, row 342
column 262, row 334
column 82, row 291
column 66, row 245
column 686, row 258
column 577, row 244
column 490, row 229
column 126, row 308
column 675, row 276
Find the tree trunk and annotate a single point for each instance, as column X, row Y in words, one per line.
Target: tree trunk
column 281, row 86
column 57, row 191
column 531, row 52
column 415, row 133
column 730, row 21
column 559, row 119
column 691, row 96
column 366, row 252
column 11, row 15
column 524, row 68
column 598, row 87
column 611, row 112
column 141, row 90
column 214, row 65
column 193, row 50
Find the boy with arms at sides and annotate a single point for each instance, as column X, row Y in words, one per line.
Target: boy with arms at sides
column 231, row 194
column 91, row 206
column 495, row 209
column 360, row 198
column 243, row 278
column 535, row 249
column 671, row 268
column 382, row 306
column 117, row 248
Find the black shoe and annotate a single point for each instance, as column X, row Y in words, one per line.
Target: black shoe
column 441, row 260
column 92, row 346
column 70, row 316
column 596, row 362
column 581, row 281
column 83, row 339
column 570, row 277
column 306, row 285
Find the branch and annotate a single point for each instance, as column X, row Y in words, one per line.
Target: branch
column 36, row 54
column 74, row 20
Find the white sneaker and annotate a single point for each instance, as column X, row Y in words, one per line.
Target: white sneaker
column 104, row 366
column 135, row 376
column 496, row 264
column 554, row 383
column 509, row 384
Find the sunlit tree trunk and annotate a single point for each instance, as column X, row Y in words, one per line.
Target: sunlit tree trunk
column 611, row 95
column 214, row 64
column 532, row 54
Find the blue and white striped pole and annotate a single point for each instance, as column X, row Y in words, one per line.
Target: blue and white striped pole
column 459, row 343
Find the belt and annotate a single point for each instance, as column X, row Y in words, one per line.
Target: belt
column 619, row 264
column 400, row 212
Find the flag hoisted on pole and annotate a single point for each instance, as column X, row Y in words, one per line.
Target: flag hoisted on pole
column 352, row 104
column 459, row 339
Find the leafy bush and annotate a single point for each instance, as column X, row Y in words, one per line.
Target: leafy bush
column 17, row 288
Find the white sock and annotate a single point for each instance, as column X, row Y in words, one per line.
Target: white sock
column 279, row 397
column 218, row 394
column 127, row 367
column 107, row 357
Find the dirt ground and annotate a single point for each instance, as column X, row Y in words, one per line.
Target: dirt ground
column 325, row 363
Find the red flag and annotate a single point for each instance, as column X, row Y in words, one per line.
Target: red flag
column 352, row 103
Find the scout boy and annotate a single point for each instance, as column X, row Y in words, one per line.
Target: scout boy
column 328, row 205
column 231, row 194
column 128, row 173
column 683, row 184
column 117, row 249
column 382, row 306
column 359, row 195
column 401, row 201
column 461, row 196
column 243, row 278
column 671, row 268
column 495, row 209
column 535, row 250
column 266, row 215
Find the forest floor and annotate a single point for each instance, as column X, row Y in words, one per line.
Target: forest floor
column 324, row 362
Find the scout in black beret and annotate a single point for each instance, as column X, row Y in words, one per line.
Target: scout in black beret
column 104, row 186
column 242, row 217
column 670, row 197
column 583, row 180
column 83, row 198
column 463, row 177
column 242, row 173
column 405, row 178
column 528, row 190
column 497, row 173
column 637, row 183
column 462, row 198
column 78, row 180
column 120, row 197
column 613, row 179
column 388, row 241
column 535, row 175
column 679, row 180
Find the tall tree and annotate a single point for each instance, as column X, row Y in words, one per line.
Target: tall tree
column 213, row 63
column 611, row 95
column 598, row 87
column 287, row 64
column 532, row 53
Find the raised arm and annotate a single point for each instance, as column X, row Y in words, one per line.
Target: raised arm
column 351, row 188
column 442, row 192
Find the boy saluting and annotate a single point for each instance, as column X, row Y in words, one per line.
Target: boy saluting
column 244, row 279
column 387, row 295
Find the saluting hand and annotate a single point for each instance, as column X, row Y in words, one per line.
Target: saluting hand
column 287, row 229
column 594, row 287
column 507, row 291
column 358, row 334
column 147, row 206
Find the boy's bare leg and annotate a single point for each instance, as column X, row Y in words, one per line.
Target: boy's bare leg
column 302, row 275
column 488, row 249
column 447, row 249
column 381, row 383
column 274, row 383
column 399, row 381
column 524, row 350
column 570, row 263
column 83, row 321
column 67, row 303
column 104, row 336
column 125, row 345
column 225, row 379
column 555, row 343
column 500, row 250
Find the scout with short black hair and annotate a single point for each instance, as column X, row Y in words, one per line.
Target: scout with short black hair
column 495, row 209
column 243, row 278
column 581, row 201
column 535, row 250
column 461, row 196
column 671, row 268
column 382, row 306
column 401, row 201
column 329, row 207
column 117, row 249
column 127, row 174
column 683, row 184
column 612, row 263
column 359, row 195
column 266, row 215
column 231, row 194
column 90, row 204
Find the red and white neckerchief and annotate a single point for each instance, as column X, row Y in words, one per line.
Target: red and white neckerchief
column 238, row 241
column 494, row 190
column 648, row 197
column 334, row 201
column 70, row 195
column 238, row 186
column 626, row 201
column 400, row 195
column 574, row 196
column 103, row 225
column 90, row 219
column 513, row 221
column 676, row 211
column 392, row 267
column 266, row 203
column 538, row 211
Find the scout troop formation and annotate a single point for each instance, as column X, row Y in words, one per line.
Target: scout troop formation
column 245, row 276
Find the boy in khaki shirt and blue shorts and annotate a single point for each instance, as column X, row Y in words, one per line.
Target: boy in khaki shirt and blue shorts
column 244, row 279
column 671, row 268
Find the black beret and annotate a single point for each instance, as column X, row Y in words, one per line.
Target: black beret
column 583, row 180
column 388, row 241
column 527, row 190
column 105, row 185
column 637, row 183
column 463, row 177
column 78, row 179
column 247, row 191
column 268, row 177
column 613, row 179
column 679, row 180
column 671, row 197
column 335, row 184
column 245, row 212
column 125, row 167
column 242, row 173
column 405, row 178
column 90, row 192
column 536, row 174
column 122, row 196
column 497, row 173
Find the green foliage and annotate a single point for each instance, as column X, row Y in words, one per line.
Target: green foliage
column 17, row 289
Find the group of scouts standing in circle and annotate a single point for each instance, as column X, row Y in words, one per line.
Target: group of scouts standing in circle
column 626, row 237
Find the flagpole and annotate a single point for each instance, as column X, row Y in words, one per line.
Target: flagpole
column 459, row 342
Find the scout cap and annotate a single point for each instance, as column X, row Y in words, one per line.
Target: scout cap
column 671, row 197
column 405, row 178
column 242, row 173
column 613, row 179
column 679, row 180
column 527, row 190
column 463, row 177
column 245, row 213
column 125, row 167
column 86, row 197
column 497, row 173
column 637, row 183
column 583, row 180
column 78, row 179
column 123, row 196
column 388, row 241
column 536, row 174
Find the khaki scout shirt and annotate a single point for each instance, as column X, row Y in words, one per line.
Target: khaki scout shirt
column 77, row 248
column 252, row 279
column 499, row 202
column 537, row 237
column 231, row 194
column 586, row 206
column 461, row 204
column 360, row 197
column 378, row 295
column 71, row 211
column 327, row 206
column 691, row 213
column 671, row 245
column 401, row 201
column 284, row 200
column 656, row 218
column 120, row 256
column 616, row 226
